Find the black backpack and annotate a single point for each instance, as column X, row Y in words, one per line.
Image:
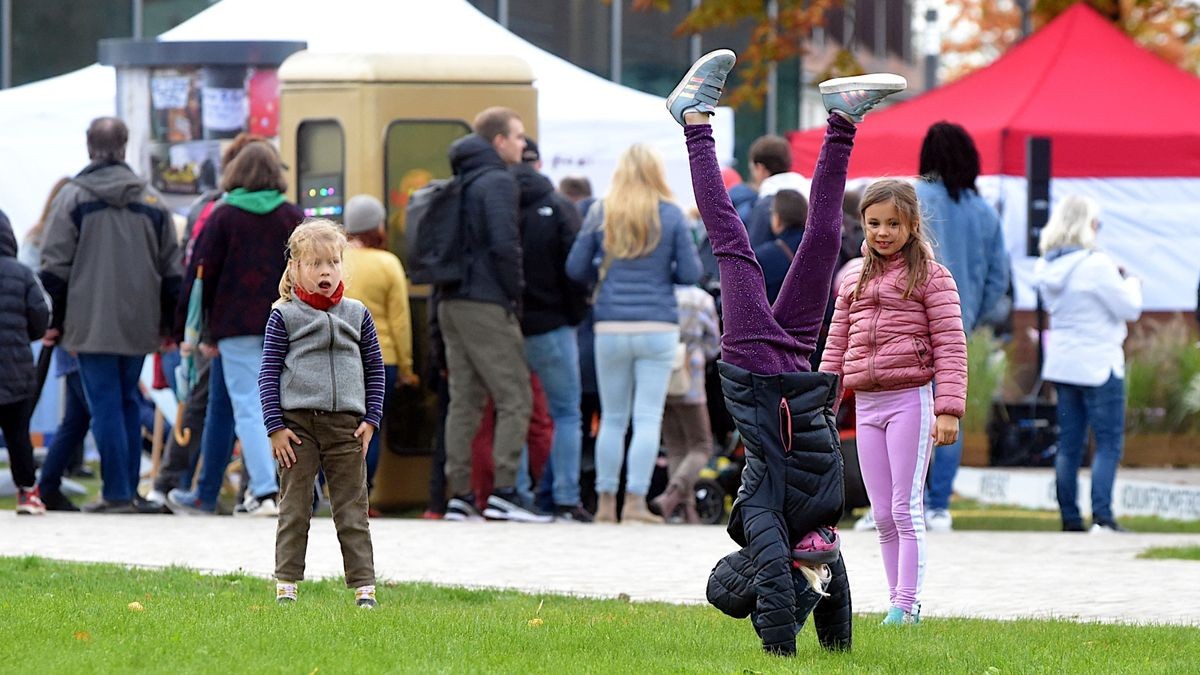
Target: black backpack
column 434, row 233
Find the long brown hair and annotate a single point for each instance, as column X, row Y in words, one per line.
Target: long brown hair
column 256, row 167
column 917, row 253
column 37, row 232
column 632, row 227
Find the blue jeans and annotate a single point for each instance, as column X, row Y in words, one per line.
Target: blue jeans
column 71, row 431
column 216, row 443
column 110, row 384
column 942, row 471
column 554, row 356
column 1103, row 408
column 242, row 359
column 632, row 371
column 389, row 374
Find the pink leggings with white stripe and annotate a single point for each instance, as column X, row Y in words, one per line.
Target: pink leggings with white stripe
column 894, row 444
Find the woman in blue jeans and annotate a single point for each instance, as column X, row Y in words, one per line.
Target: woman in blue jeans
column 1089, row 298
column 634, row 246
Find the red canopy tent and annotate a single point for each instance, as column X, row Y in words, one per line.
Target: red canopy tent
column 1110, row 107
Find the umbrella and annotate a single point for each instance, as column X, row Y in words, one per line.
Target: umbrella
column 185, row 373
column 43, row 368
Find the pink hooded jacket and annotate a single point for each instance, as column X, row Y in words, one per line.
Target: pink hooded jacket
column 883, row 342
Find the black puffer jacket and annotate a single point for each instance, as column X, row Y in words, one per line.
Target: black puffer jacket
column 23, row 319
column 491, row 210
column 549, row 225
column 792, row 484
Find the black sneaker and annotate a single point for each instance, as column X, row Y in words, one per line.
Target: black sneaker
column 1073, row 527
column 55, row 500
column 572, row 514
column 508, row 504
column 462, row 507
column 146, row 506
column 102, row 506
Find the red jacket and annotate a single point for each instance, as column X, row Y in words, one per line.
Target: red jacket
column 883, row 342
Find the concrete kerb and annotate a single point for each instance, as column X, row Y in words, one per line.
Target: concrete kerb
column 996, row 575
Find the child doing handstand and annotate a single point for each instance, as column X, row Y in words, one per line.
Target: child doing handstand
column 321, row 385
column 792, row 493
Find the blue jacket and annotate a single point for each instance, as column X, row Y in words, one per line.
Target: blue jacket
column 969, row 241
column 774, row 262
column 637, row 289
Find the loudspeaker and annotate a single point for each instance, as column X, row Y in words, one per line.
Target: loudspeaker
column 1037, row 177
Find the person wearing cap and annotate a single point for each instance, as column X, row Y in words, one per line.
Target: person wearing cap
column 375, row 277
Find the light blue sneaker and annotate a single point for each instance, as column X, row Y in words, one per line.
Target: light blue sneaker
column 852, row 97
column 899, row 617
column 701, row 88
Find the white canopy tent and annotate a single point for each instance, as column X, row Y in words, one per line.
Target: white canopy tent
column 585, row 121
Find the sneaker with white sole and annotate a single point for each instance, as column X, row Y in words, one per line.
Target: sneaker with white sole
column 364, row 596
column 508, row 504
column 29, row 502
column 285, row 592
column 939, row 520
column 158, row 497
column 852, row 97
column 186, row 503
column 899, row 617
column 700, row 90
column 262, row 508
column 866, row 523
column 462, row 508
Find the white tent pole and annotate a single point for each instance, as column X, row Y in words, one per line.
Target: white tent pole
column 614, row 54
column 772, row 104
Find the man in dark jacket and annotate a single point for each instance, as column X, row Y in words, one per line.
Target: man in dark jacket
column 479, row 319
column 554, row 305
column 771, row 166
column 789, row 210
column 110, row 263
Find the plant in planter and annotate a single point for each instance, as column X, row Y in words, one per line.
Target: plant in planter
column 986, row 366
column 1162, row 395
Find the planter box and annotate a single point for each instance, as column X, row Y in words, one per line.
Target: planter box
column 1161, row 449
column 975, row 448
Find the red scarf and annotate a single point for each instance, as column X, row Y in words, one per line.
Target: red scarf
column 319, row 301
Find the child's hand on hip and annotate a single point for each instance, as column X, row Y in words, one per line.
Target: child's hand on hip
column 945, row 430
column 364, row 432
column 281, row 446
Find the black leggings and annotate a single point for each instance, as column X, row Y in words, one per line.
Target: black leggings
column 14, row 422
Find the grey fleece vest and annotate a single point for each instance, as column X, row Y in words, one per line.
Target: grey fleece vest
column 323, row 368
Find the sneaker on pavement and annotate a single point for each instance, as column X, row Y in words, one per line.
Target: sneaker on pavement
column 55, row 500
column 508, row 504
column 104, row 506
column 1106, row 527
column 572, row 514
column 29, row 502
column 253, row 506
column 866, row 523
column 1073, row 527
column 700, row 89
column 430, row 514
column 461, row 508
column 145, row 506
column 939, row 520
column 186, row 503
column 285, row 592
column 158, row 496
column 364, row 596
column 852, row 97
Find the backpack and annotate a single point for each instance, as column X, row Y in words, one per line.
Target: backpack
column 434, row 236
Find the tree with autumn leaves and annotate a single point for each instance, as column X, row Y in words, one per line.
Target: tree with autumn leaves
column 981, row 30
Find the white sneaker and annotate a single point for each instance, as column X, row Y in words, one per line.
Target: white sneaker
column 158, row 497
column 866, row 523
column 939, row 520
column 266, row 508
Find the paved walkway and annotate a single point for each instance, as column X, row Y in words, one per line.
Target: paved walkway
column 981, row 574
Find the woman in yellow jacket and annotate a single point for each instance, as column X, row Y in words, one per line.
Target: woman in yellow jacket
column 375, row 277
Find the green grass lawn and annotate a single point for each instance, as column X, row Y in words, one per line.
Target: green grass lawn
column 70, row 618
column 1171, row 553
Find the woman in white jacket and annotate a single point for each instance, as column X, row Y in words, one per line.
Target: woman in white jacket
column 1089, row 299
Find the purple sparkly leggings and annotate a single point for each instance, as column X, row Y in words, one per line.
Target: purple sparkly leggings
column 759, row 337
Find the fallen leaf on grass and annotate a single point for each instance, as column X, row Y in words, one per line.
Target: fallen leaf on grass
column 83, row 636
column 136, row 606
column 535, row 622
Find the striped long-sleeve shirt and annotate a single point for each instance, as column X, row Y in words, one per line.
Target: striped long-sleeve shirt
column 276, row 344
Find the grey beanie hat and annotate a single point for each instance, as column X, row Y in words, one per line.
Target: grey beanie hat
column 364, row 213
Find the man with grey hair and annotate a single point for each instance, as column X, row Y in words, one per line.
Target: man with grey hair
column 110, row 263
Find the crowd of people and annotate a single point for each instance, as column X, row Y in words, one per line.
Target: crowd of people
column 294, row 336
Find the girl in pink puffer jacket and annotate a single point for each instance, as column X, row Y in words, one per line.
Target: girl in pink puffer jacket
column 897, row 327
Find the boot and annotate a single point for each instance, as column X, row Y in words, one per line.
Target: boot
column 666, row 503
column 606, row 508
column 635, row 511
column 690, row 515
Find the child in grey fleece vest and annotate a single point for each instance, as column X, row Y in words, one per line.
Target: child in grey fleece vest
column 321, row 386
